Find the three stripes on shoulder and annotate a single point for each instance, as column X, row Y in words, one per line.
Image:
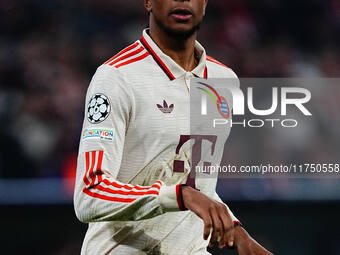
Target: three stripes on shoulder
column 136, row 52
column 130, row 54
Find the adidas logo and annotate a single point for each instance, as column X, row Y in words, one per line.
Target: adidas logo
column 165, row 108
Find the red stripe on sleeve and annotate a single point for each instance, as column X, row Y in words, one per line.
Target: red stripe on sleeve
column 135, row 52
column 114, row 199
column 91, row 174
column 95, row 170
column 133, row 60
column 87, row 162
column 159, row 182
column 99, row 166
column 122, row 52
column 216, row 62
column 119, row 186
column 122, row 192
column 148, row 187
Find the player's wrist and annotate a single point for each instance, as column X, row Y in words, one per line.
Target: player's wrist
column 188, row 195
column 241, row 235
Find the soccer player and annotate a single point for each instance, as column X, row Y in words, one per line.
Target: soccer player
column 132, row 183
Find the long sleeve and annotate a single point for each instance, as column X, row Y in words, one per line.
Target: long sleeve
column 98, row 195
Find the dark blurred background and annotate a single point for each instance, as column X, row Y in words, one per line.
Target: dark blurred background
column 49, row 51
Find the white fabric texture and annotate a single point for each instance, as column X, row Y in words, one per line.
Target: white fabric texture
column 125, row 184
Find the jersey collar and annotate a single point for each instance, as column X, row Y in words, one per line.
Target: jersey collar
column 169, row 66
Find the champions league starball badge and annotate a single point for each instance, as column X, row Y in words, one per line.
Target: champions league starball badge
column 98, row 108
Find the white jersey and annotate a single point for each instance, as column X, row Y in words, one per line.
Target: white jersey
column 136, row 115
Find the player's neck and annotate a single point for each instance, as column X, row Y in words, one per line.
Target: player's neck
column 182, row 51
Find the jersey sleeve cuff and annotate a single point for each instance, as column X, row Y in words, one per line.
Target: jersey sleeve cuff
column 171, row 198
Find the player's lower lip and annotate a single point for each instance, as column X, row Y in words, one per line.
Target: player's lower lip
column 181, row 17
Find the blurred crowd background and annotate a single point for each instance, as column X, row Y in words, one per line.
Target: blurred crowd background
column 49, row 51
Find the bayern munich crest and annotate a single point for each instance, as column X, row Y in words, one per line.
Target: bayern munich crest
column 98, row 108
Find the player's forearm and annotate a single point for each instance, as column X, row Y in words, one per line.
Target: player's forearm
column 128, row 203
column 96, row 211
column 246, row 245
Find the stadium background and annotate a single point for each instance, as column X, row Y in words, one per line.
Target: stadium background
column 49, row 51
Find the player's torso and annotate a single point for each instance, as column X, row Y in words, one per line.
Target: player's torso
column 160, row 114
column 159, row 118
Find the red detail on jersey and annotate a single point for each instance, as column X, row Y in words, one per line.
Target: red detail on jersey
column 157, row 59
column 99, row 166
column 216, row 62
column 177, row 196
column 130, row 54
column 87, row 160
column 122, row 192
column 122, row 52
column 130, row 187
column 133, row 60
column 114, row 199
column 95, row 175
column 91, row 174
column 205, row 75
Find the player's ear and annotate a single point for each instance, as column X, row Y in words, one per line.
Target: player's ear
column 148, row 5
column 205, row 6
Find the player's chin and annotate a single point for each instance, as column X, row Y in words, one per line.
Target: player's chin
column 183, row 29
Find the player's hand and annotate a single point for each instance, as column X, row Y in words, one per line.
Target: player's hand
column 214, row 215
column 246, row 245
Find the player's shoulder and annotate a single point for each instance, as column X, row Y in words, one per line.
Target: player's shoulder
column 217, row 69
column 129, row 60
column 124, row 67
